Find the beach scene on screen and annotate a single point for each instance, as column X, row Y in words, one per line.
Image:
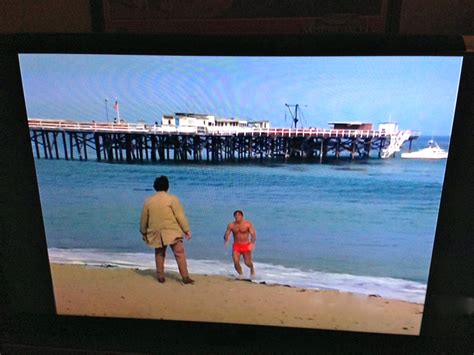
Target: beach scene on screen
column 338, row 163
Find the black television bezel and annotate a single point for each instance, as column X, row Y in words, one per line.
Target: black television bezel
column 29, row 315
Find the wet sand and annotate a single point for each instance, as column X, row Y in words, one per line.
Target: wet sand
column 121, row 292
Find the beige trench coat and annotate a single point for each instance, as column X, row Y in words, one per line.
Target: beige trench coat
column 163, row 216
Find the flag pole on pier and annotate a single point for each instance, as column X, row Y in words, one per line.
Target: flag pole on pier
column 106, row 110
column 117, row 110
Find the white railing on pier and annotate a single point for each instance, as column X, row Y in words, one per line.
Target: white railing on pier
column 63, row 125
column 396, row 142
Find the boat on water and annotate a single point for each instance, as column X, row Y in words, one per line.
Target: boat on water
column 432, row 151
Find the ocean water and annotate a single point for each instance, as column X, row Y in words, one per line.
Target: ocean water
column 364, row 226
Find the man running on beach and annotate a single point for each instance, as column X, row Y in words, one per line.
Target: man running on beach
column 241, row 229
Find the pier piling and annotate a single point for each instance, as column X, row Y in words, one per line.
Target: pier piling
column 115, row 143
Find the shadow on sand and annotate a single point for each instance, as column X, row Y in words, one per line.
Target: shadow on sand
column 152, row 274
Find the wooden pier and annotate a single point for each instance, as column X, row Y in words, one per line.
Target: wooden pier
column 131, row 142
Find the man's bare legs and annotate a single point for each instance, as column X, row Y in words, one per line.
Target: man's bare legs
column 249, row 263
column 236, row 258
column 247, row 260
column 160, row 254
column 180, row 256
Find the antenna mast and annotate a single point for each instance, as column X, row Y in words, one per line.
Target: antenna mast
column 294, row 115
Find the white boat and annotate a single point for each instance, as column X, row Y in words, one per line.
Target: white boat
column 432, row 151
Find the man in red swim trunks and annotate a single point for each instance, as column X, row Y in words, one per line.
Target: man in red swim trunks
column 241, row 229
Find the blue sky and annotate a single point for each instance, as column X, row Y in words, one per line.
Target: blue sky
column 417, row 92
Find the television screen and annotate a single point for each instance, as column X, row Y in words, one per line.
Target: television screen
column 304, row 191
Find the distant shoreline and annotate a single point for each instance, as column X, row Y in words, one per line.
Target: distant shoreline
column 133, row 293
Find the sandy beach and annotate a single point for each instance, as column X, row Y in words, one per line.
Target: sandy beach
column 121, row 292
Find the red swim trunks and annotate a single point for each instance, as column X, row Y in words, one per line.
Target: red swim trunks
column 243, row 247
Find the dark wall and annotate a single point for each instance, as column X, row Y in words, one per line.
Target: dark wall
column 413, row 16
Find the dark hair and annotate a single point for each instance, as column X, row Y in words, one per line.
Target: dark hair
column 238, row 211
column 161, row 183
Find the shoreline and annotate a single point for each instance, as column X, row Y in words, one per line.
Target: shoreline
column 134, row 293
column 384, row 286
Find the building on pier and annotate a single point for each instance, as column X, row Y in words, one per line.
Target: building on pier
column 259, row 124
column 205, row 123
column 351, row 125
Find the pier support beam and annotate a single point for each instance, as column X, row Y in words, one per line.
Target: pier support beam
column 45, row 149
column 367, row 147
column 84, row 142
column 65, row 145
column 216, row 148
column 128, row 147
column 78, row 146
column 153, row 148
column 35, row 140
column 321, row 152
column 71, row 145
column 48, row 144
column 108, row 147
column 97, row 146
column 55, row 143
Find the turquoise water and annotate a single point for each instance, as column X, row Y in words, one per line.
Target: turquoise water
column 356, row 225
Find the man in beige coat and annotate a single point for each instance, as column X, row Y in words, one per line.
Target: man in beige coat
column 163, row 222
